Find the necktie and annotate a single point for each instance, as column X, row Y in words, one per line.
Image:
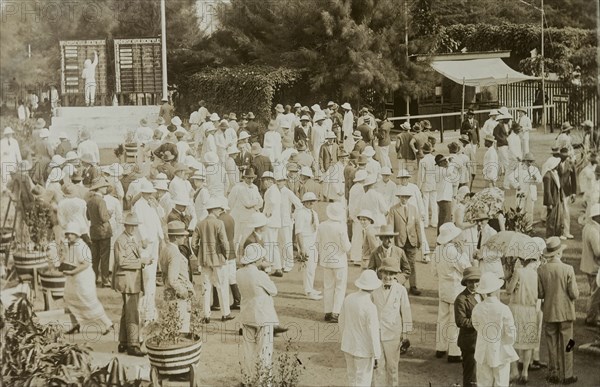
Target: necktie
column 404, row 212
column 387, row 287
column 312, row 219
column 478, row 237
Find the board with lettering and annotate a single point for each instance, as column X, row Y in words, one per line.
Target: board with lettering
column 138, row 66
column 73, row 55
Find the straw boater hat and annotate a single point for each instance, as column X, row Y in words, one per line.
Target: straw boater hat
column 177, row 228
column 279, row 108
column 425, row 124
column 389, row 265
column 565, row 127
column 346, row 106
column 464, row 138
column 489, row 138
column 404, row 191
column 386, row 230
column 252, row 253
column 553, row 247
column 470, row 273
column 335, row 212
column 368, row 280
column 369, row 151
column 489, row 283
column 360, row 176
column 309, row 197
column 366, row 214
column 405, row 126
column 131, row 219
column 448, row 231
column 403, row 173
column 257, row 219
column 99, row 183
column 305, row 118
column 357, row 135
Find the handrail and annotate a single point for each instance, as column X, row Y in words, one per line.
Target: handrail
column 459, row 113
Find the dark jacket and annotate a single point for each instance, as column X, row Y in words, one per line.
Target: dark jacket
column 97, row 213
column 463, row 307
column 472, row 130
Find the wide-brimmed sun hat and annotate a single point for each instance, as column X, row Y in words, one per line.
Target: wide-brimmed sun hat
column 403, row 173
column 553, row 247
column 404, row 191
column 131, row 219
column 309, row 197
column 470, row 273
column 147, row 187
column 369, row 151
column 177, row 228
column 366, row 214
column 386, row 230
column 257, row 219
column 306, row 171
column 252, row 253
column 335, row 211
column 8, row 130
column 243, row 135
column 448, row 231
column 73, row 228
column 360, row 175
column 99, row 183
column 346, row 106
column 368, row 280
column 489, row 283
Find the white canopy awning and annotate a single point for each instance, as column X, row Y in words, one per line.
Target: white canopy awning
column 479, row 72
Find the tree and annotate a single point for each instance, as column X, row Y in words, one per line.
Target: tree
column 344, row 46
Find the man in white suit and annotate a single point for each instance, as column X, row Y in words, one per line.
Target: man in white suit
column 426, row 183
column 272, row 211
column 258, row 316
column 150, row 234
column 525, row 179
column 285, row 235
column 359, row 328
column 333, row 247
column 244, row 200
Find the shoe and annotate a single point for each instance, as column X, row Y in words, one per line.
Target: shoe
column 414, row 291
column 235, row 306
column 356, row 263
column 206, row 320
column 564, row 238
column 334, row 318
column 135, row 351
column 122, row 348
column 571, row 380
column 314, row 296
column 106, row 285
column 240, row 332
column 288, row 269
column 440, row 354
column 75, row 329
column 538, row 364
column 522, row 381
column 159, row 282
column 279, row 329
column 327, row 316
column 227, row 318
column 553, row 379
column 317, row 291
column 215, row 308
column 454, row 359
column 107, row 331
column 404, row 346
column 277, row 273
column 569, row 236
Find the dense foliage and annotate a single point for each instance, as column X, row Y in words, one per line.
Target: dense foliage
column 248, row 88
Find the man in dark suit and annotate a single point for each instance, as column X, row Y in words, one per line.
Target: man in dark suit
column 470, row 127
column 387, row 250
column 405, row 218
column 260, row 164
column 467, row 335
column 557, row 286
column 328, row 154
column 128, row 280
column 100, row 230
column 91, row 172
column 303, row 131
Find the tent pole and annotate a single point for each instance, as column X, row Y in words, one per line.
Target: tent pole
column 462, row 111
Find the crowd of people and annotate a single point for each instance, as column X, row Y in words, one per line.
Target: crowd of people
column 234, row 203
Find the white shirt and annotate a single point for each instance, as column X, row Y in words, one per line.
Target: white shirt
column 333, row 244
column 490, row 164
column 375, row 202
column 244, row 200
column 416, row 199
column 272, row 208
column 373, row 167
column 180, row 189
column 525, row 179
column 448, row 267
column 359, row 326
column 88, row 146
column 514, row 145
column 150, row 226
column 525, row 123
column 273, row 145
column 393, row 309
column 286, row 120
column 355, row 196
column 388, row 190
column 115, row 209
column 288, row 198
column 202, row 114
column 445, row 183
column 73, row 210
column 427, row 173
column 200, row 204
column 9, row 152
column 216, row 180
column 488, row 127
column 257, row 290
column 307, row 222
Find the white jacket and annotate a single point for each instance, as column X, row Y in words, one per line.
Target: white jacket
column 448, row 267
column 288, row 198
column 491, row 164
column 393, row 309
column 359, row 326
column 427, row 173
column 333, row 244
column 272, row 208
column 244, row 201
column 257, row 290
column 525, row 179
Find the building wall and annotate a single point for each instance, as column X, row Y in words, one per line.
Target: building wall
column 207, row 17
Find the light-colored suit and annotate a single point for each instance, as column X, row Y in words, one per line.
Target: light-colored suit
column 333, row 247
column 176, row 279
column 284, row 237
column 258, row 317
column 272, row 211
column 359, row 328
column 244, row 201
column 357, row 193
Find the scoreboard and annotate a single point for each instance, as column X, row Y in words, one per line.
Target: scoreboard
column 73, row 54
column 138, row 66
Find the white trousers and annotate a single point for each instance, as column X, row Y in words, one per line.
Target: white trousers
column 446, row 330
column 257, row 351
column 240, row 233
column 493, row 376
column 90, row 93
column 271, row 239
column 424, row 243
column 386, row 373
column 147, row 305
column 566, row 217
column 217, row 276
column 360, row 370
column 527, row 204
column 356, row 242
column 286, row 247
column 309, row 243
column 430, row 202
column 525, row 142
column 334, row 288
column 503, row 158
column 231, row 271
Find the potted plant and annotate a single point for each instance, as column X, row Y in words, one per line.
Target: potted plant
column 52, row 278
column 31, row 255
column 171, row 352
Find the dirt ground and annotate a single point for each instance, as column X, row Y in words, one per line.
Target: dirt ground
column 318, row 343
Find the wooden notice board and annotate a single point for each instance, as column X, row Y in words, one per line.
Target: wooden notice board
column 72, row 55
column 138, row 66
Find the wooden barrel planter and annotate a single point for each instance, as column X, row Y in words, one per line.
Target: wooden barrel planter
column 27, row 262
column 53, row 282
column 131, row 151
column 6, row 238
column 174, row 359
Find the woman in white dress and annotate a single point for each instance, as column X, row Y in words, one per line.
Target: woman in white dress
column 80, row 292
column 272, row 141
